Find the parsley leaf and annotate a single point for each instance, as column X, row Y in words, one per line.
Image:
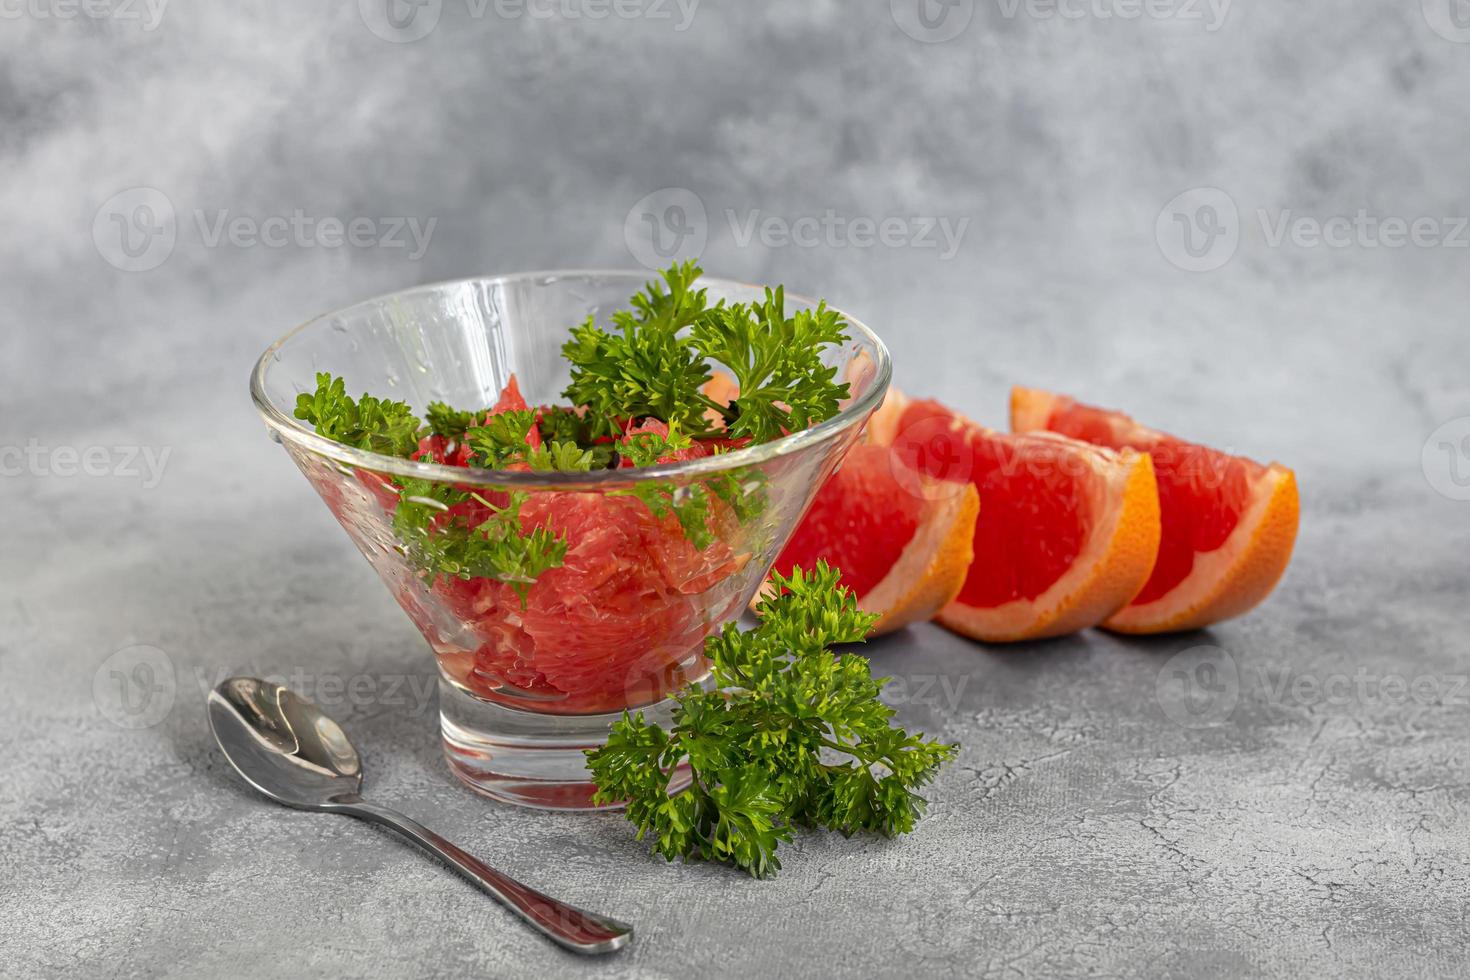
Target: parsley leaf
column 450, row 423
column 776, row 361
column 690, row 505
column 643, row 367
column 657, row 359
column 792, row 735
column 565, row 457
column 647, row 448
column 431, row 520
column 441, row 541
column 501, row 440
column 369, row 423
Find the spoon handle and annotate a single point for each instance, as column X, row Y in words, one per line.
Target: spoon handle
column 565, row 925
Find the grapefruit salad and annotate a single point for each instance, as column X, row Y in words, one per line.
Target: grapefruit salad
column 590, row 594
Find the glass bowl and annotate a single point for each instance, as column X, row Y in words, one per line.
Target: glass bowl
column 530, row 678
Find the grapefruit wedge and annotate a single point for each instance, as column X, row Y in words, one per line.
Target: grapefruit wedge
column 901, row 540
column 1067, row 533
column 1229, row 523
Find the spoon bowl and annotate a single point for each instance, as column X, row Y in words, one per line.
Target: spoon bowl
column 283, row 745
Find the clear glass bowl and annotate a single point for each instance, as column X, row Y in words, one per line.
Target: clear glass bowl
column 527, row 685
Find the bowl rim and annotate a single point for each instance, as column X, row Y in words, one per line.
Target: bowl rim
column 293, row 429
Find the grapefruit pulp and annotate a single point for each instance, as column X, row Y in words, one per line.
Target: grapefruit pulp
column 1229, row 523
column 902, row 545
column 620, row 622
column 1067, row 532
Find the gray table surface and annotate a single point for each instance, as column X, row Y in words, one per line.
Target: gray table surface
column 1311, row 817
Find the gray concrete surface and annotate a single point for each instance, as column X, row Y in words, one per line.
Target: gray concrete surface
column 1304, row 812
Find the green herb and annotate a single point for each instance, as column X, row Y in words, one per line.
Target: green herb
column 649, row 365
column 793, row 735
column 647, row 448
column 369, row 423
column 565, row 457
column 777, row 362
column 501, row 440
column 652, row 364
column 441, row 542
column 429, row 519
column 644, row 368
column 689, row 505
column 449, row 422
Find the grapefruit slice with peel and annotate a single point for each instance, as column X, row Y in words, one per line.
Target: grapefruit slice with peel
column 1067, row 533
column 1229, row 522
column 901, row 541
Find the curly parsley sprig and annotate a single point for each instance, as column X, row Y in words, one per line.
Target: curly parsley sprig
column 792, row 735
column 657, row 359
column 368, row 423
column 644, row 367
column 431, row 520
column 777, row 363
column 441, row 542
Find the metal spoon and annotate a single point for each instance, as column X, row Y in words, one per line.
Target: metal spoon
column 287, row 748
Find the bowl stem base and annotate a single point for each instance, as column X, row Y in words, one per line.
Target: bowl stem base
column 529, row 759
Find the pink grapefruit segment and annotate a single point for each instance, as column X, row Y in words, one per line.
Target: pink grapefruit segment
column 901, row 542
column 1067, row 533
column 1229, row 523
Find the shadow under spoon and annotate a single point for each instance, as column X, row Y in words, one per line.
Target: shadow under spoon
column 291, row 751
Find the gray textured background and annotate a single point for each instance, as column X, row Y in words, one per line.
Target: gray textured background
column 1092, row 824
